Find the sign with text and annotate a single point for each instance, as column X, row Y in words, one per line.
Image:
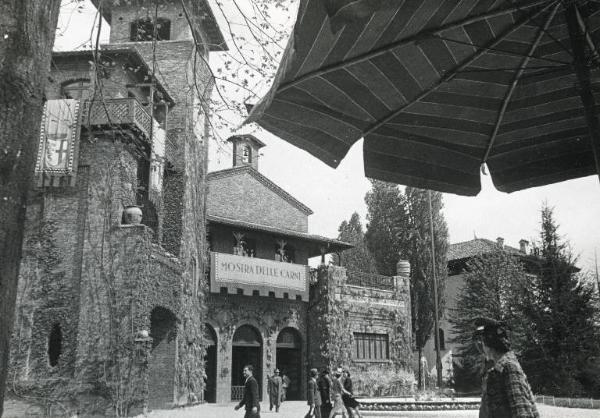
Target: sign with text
column 235, row 272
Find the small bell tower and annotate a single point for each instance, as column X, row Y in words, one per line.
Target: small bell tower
column 245, row 150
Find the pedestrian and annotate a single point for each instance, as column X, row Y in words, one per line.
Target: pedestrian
column 348, row 396
column 324, row 385
column 275, row 388
column 506, row 392
column 337, row 389
column 338, row 408
column 285, row 386
column 313, row 396
column 250, row 399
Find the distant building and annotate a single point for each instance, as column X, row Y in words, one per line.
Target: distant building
column 459, row 254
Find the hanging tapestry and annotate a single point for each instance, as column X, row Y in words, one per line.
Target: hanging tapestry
column 59, row 143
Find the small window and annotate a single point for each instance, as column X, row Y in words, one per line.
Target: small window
column 54, row 345
column 240, row 291
column 299, row 297
column 271, row 294
column 223, row 290
column 255, row 293
column 286, row 295
column 373, row 347
column 247, row 154
column 143, row 30
column 79, row 89
column 442, row 340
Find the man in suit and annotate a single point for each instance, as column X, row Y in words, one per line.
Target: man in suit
column 250, row 399
column 313, row 395
column 324, row 384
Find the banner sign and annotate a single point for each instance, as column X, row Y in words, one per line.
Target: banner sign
column 234, row 271
column 58, row 146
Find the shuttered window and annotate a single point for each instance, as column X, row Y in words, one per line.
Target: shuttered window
column 371, row 346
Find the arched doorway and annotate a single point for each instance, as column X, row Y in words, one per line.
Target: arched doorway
column 289, row 360
column 161, row 369
column 247, row 349
column 210, row 364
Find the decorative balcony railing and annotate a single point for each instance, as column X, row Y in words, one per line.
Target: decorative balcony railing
column 377, row 281
column 237, row 393
column 117, row 113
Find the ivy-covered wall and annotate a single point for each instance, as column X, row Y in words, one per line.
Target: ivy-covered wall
column 338, row 310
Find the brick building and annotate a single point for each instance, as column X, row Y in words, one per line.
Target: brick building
column 265, row 306
column 122, row 127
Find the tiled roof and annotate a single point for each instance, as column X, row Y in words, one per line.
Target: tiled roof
column 333, row 244
column 264, row 180
column 475, row 247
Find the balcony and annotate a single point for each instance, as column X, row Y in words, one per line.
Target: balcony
column 124, row 114
column 234, row 274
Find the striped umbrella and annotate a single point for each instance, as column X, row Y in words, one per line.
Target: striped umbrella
column 438, row 88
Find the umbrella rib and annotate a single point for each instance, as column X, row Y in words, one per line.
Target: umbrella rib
column 419, row 36
column 501, row 50
column 588, row 38
column 452, row 73
column 515, row 81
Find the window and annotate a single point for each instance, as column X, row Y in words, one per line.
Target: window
column 143, row 30
column 372, row 347
column 54, row 345
column 442, row 340
column 247, row 154
column 79, row 89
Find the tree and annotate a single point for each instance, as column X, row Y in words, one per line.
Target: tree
column 414, row 234
column 491, row 286
column 560, row 309
column 357, row 258
column 386, row 212
column 28, row 28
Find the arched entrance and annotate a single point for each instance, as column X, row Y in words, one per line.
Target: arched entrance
column 247, row 349
column 161, row 369
column 210, row 364
column 289, row 360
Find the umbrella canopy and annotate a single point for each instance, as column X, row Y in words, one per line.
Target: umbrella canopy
column 439, row 87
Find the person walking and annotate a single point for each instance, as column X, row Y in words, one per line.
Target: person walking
column 250, row 399
column 337, row 390
column 313, row 396
column 285, row 386
column 275, row 387
column 347, row 395
column 506, row 391
column 324, row 386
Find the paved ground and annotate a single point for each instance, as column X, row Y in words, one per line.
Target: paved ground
column 299, row 409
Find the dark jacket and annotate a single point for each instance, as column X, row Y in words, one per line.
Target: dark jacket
column 313, row 396
column 324, row 384
column 250, row 398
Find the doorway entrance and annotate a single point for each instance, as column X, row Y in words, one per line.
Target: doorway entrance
column 247, row 349
column 210, row 364
column 289, row 361
column 161, row 369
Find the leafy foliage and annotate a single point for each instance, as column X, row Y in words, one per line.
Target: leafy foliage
column 551, row 313
column 386, row 213
column 491, row 285
column 358, row 258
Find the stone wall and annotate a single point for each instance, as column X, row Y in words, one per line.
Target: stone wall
column 338, row 310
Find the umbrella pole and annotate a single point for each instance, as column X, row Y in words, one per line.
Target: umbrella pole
column 436, row 331
column 578, row 39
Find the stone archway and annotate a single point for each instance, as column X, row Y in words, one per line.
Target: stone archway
column 161, row 369
column 288, row 358
column 247, row 348
column 210, row 364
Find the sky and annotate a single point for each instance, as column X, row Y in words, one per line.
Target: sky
column 334, row 194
